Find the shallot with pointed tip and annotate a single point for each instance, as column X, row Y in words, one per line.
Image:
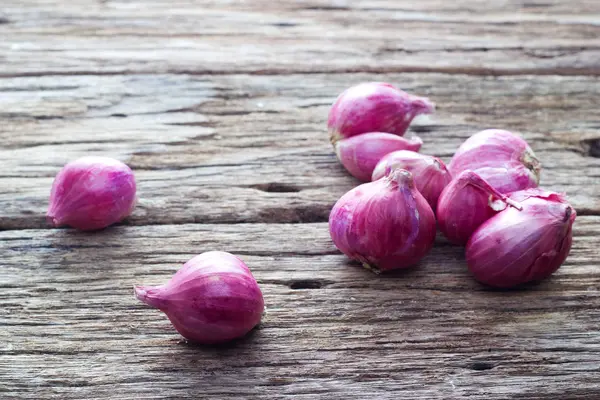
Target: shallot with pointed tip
column 430, row 173
column 212, row 299
column 502, row 158
column 374, row 107
column 386, row 224
column 466, row 203
column 520, row 246
column 92, row 193
column 360, row 154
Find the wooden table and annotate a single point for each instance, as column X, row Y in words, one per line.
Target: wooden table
column 220, row 108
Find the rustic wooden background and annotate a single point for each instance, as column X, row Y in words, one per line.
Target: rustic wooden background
column 220, row 108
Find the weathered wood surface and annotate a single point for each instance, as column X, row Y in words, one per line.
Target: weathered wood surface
column 257, row 36
column 253, row 149
column 220, row 108
column 331, row 329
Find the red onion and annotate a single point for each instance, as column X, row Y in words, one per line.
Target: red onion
column 374, row 107
column 213, row 298
column 515, row 247
column 360, row 154
column 500, row 157
column 430, row 173
column 466, row 203
column 386, row 224
column 92, row 193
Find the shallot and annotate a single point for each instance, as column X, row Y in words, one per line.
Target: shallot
column 430, row 173
column 466, row 203
column 519, row 246
column 360, row 154
column 92, row 193
column 374, row 107
column 386, row 224
column 213, row 298
column 502, row 158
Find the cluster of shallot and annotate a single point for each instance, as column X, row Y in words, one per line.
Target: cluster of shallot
column 487, row 199
column 213, row 298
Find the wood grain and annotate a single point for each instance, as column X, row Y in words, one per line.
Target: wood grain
column 122, row 37
column 220, row 109
column 254, row 149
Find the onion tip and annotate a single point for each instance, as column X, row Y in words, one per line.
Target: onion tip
column 147, row 295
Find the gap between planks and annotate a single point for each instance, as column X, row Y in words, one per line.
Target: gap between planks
column 564, row 71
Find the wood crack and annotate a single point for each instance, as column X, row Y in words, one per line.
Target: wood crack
column 475, row 71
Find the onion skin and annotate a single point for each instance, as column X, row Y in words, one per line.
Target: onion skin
column 502, row 158
column 515, row 247
column 360, row 154
column 92, row 193
column 429, row 173
column 466, row 203
column 386, row 224
column 374, row 107
column 212, row 299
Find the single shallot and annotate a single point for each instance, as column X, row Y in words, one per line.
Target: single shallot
column 466, row 203
column 430, row 173
column 92, row 193
column 213, row 298
column 502, row 158
column 374, row 107
column 520, row 246
column 386, row 224
column 360, row 154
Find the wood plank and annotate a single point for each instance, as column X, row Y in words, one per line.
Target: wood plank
column 220, row 108
column 74, row 330
column 254, row 148
column 259, row 37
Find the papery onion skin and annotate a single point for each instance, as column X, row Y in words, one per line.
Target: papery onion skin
column 374, row 107
column 429, row 173
column 515, row 247
column 92, row 193
column 360, row 154
column 502, row 158
column 466, row 203
column 212, row 299
column 386, row 224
